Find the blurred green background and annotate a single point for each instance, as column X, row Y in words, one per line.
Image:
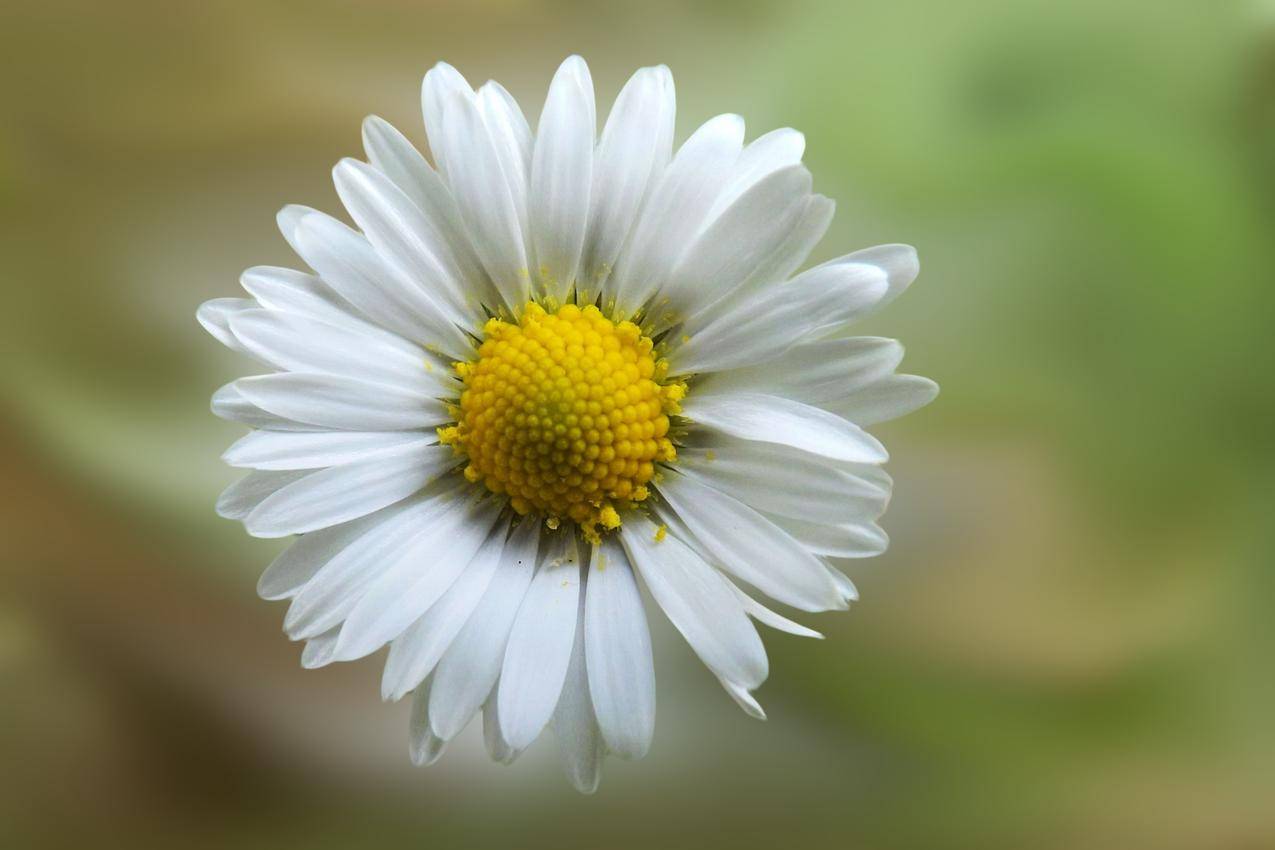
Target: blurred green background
column 1069, row 644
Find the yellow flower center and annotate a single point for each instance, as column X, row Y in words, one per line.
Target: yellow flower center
column 567, row 413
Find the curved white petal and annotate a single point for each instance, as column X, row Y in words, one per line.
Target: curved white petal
column 417, row 578
column 771, row 419
column 579, row 739
column 699, row 603
column 441, row 84
column 343, row 403
column 468, row 670
column 784, row 482
column 812, row 372
column 899, row 262
column 299, row 344
column 676, row 211
column 850, row 539
column 493, row 737
column 617, row 652
column 734, row 244
column 762, row 157
column 305, row 295
column 338, row 585
column 633, row 150
column 318, row 650
column 795, row 248
column 562, row 177
column 342, row 493
column 424, row 746
column 393, row 155
column 747, row 545
column 228, row 403
column 888, row 398
column 287, row 219
column 353, row 268
column 762, row 326
column 214, row 317
column 241, row 498
column 315, row 449
column 762, row 614
column 481, row 188
column 289, row 573
column 415, row 652
column 408, row 239
column 539, row 648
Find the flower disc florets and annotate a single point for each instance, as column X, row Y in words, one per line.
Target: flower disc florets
column 567, row 413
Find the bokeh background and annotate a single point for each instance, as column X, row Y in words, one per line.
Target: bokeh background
column 1069, row 644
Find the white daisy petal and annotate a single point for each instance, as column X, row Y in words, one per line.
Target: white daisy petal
column 764, row 325
column 512, row 141
column 341, row 493
column 539, row 648
column 888, row 398
column 493, row 737
column 298, row 344
column 408, row 239
column 618, row 652
column 574, row 723
column 784, row 482
column 812, row 372
column 795, row 248
column 469, row 669
column 335, row 401
column 441, row 84
column 735, row 243
column 848, row 590
column 632, row 153
column 422, row 573
column 747, row 545
column 425, row 746
column 415, row 652
column 229, row 403
column 677, row 210
column 353, row 268
column 318, row 651
column 215, row 315
column 561, row 177
column 289, row 573
column 285, row 450
column 291, row 291
column 762, row 614
column 481, row 188
column 699, row 603
column 771, row 419
column 287, row 219
column 762, row 157
column 393, row 155
column 899, row 262
column 851, row 539
column 744, row 699
column 241, row 498
column 338, row 585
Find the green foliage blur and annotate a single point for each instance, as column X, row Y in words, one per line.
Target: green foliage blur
column 1069, row 643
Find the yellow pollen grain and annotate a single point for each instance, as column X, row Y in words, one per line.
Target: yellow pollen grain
column 566, row 413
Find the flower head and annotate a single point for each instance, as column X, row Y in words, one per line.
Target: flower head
column 545, row 370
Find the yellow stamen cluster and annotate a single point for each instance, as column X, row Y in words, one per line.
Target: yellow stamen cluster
column 566, row 413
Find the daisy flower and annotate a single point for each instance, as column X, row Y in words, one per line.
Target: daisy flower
column 543, row 372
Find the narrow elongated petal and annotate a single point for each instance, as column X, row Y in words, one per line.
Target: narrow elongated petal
column 632, row 153
column 214, row 317
column 241, row 498
column 425, row 569
column 888, row 398
column 539, row 649
column 579, row 739
column 335, row 401
column 286, row 450
column 812, row 372
column 771, row 419
column 759, row 328
column 562, row 177
column 341, row 493
column 762, row 614
column 442, row 83
column 415, row 652
column 699, row 603
column 228, row 403
column 425, row 747
column 353, row 268
column 289, row 573
column 469, row 669
column 677, row 210
column 618, row 652
column 747, row 545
